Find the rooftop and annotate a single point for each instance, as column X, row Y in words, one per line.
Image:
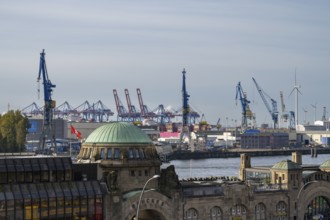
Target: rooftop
column 118, row 133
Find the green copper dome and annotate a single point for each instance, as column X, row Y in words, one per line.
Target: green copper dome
column 118, row 133
column 286, row 165
column 326, row 164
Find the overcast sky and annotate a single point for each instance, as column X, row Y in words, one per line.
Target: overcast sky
column 93, row 47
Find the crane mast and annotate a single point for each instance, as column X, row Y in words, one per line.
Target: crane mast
column 185, row 109
column 246, row 112
column 48, row 124
column 272, row 111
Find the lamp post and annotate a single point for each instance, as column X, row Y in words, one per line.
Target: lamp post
column 301, row 188
column 144, row 187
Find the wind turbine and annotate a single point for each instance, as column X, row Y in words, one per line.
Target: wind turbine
column 296, row 89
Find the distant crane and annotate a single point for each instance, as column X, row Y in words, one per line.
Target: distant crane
column 286, row 116
column 100, row 112
column 218, row 125
column 185, row 109
column 48, row 124
column 272, row 111
column 133, row 114
column 246, row 112
column 121, row 110
column 32, row 110
column 163, row 116
column 324, row 116
column 83, row 110
column 145, row 112
column 64, row 110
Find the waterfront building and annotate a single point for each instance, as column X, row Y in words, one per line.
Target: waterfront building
column 116, row 177
column 256, row 139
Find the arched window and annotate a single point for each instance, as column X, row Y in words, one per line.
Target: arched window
column 260, row 211
column 109, row 153
column 102, row 154
column 238, row 211
column 281, row 211
column 216, row 213
column 191, row 214
column 319, row 205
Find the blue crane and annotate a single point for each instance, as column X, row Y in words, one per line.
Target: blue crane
column 185, row 98
column 48, row 125
column 185, row 109
column 246, row 112
column 272, row 111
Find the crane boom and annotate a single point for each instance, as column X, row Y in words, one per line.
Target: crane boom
column 48, row 125
column 272, row 111
column 143, row 108
column 133, row 114
column 122, row 112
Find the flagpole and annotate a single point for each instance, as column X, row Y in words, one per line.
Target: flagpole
column 70, row 138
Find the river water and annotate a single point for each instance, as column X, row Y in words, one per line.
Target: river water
column 230, row 166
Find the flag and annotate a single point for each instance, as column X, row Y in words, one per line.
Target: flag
column 75, row 131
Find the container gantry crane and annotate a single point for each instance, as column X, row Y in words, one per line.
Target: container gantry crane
column 48, row 124
column 121, row 110
column 272, row 111
column 145, row 112
column 162, row 115
column 246, row 112
column 133, row 114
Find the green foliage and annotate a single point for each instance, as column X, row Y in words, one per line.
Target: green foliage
column 13, row 130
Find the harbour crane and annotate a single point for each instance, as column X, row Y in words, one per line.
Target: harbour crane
column 246, row 112
column 162, row 115
column 185, row 99
column 121, row 110
column 33, row 110
column 324, row 115
column 185, row 110
column 272, row 111
column 133, row 114
column 64, row 110
column 48, row 124
column 145, row 112
column 218, row 125
column 284, row 114
column 83, row 111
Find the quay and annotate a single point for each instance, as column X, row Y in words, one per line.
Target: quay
column 186, row 155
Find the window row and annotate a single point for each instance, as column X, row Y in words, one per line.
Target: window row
column 139, row 173
column 113, row 153
column 36, row 176
column 66, row 200
column 239, row 211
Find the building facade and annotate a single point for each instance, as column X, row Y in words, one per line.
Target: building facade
column 118, row 176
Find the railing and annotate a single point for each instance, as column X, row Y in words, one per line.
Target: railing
column 270, row 187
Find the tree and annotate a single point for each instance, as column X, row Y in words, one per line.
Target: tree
column 13, row 130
